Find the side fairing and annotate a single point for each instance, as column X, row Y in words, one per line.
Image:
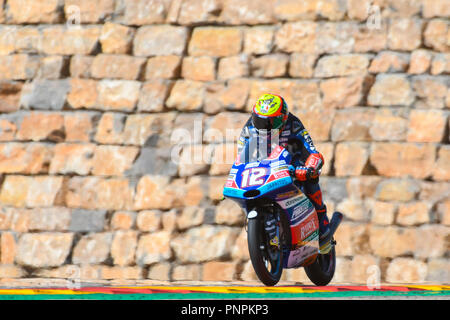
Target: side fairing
column 304, row 226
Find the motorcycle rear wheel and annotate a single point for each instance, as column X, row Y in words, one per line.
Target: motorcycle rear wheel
column 267, row 261
column 321, row 271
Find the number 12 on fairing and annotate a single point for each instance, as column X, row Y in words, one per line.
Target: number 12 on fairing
column 253, row 177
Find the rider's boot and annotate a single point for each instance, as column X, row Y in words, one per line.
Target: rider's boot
column 324, row 231
column 324, row 224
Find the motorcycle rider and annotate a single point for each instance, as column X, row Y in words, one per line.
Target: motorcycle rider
column 270, row 116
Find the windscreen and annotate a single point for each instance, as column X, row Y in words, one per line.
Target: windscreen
column 257, row 148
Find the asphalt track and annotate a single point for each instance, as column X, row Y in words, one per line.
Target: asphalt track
column 441, row 292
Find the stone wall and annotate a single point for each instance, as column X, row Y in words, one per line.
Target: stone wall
column 97, row 98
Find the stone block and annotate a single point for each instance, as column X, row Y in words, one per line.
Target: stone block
column 390, row 62
column 436, row 35
column 441, row 170
column 72, row 159
column 118, row 94
column 80, row 66
column 99, row 193
column 198, row 68
column 10, row 95
column 186, row 95
column 41, row 250
column 219, row 271
column 404, row 34
column 116, row 66
column 79, row 126
column 25, row 12
column 66, row 40
column 204, row 243
column 258, row 40
column 247, row 12
column 30, row 191
column 123, row 220
column 297, row 37
column 352, row 124
column 341, row 65
column 163, row 67
column 142, row 12
column 113, row 160
column 413, row 213
column 302, row 65
column 160, row 40
column 85, row 11
column 45, row 94
column 123, row 247
column 215, row 41
column 420, row 61
column 426, row 126
column 345, row 92
column 389, row 125
column 406, row 270
column 38, row 126
column 391, row 241
column 403, row 159
column 25, row 158
column 153, row 248
column 18, row 67
column 351, row 158
column 270, row 66
column 193, row 12
column 88, row 220
column 391, row 90
column 233, row 67
column 149, row 220
column 92, row 248
column 397, row 190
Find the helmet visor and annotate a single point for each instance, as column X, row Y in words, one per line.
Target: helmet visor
column 267, row 123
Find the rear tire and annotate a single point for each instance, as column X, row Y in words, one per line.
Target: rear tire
column 267, row 269
column 321, row 271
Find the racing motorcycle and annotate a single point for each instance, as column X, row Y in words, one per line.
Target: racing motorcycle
column 282, row 224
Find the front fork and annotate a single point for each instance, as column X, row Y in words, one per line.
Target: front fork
column 271, row 223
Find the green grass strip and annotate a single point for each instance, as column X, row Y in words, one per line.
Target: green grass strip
column 220, row 296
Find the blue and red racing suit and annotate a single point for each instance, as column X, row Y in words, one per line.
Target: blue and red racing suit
column 307, row 160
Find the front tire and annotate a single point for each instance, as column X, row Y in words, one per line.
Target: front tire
column 321, row 271
column 266, row 260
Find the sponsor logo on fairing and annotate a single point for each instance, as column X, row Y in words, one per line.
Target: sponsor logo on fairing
column 285, row 195
column 290, row 202
column 279, row 169
column 301, row 210
column 277, row 163
column 281, row 174
column 306, row 229
column 252, row 165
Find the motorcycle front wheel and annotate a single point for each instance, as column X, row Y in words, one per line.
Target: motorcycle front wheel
column 267, row 259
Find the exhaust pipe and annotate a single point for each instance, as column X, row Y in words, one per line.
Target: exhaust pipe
column 336, row 220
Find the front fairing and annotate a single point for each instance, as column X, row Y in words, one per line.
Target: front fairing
column 263, row 175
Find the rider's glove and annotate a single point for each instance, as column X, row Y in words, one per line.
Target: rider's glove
column 311, row 169
column 315, row 161
column 303, row 173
